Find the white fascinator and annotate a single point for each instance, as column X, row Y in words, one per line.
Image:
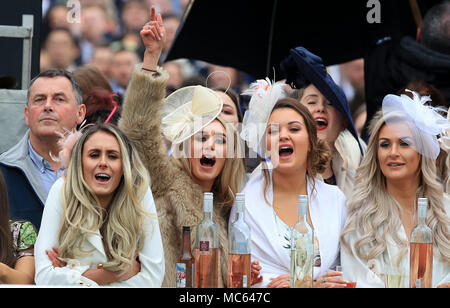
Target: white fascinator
column 187, row 111
column 425, row 122
column 445, row 146
column 264, row 95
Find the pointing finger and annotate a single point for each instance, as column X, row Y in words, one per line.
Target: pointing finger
column 152, row 14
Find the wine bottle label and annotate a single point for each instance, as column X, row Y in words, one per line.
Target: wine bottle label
column 204, row 246
column 242, row 247
column 317, row 258
column 181, row 275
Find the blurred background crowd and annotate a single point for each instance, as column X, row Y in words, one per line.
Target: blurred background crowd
column 103, row 38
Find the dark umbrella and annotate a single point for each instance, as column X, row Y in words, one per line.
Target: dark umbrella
column 254, row 36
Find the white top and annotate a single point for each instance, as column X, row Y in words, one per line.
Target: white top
column 371, row 274
column 328, row 213
column 151, row 256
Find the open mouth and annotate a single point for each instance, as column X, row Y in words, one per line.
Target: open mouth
column 285, row 151
column 321, row 123
column 207, row 161
column 102, row 177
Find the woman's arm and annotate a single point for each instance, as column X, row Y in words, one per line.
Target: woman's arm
column 22, row 273
column 106, row 277
column 100, row 276
column 46, row 273
column 141, row 114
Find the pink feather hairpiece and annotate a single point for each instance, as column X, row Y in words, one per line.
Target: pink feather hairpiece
column 112, row 96
column 66, row 142
column 68, row 138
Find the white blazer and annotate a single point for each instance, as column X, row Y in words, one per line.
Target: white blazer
column 151, row 256
column 328, row 214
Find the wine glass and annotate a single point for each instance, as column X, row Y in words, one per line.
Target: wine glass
column 394, row 278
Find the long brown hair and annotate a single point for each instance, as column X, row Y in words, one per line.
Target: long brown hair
column 6, row 244
column 319, row 153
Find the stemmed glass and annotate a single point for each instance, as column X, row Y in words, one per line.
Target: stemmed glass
column 394, row 277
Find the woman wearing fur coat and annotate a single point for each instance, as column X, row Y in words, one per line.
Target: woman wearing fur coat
column 178, row 183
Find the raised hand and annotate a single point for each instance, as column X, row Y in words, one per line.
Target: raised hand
column 153, row 34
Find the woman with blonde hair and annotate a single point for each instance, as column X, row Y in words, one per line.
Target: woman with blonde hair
column 99, row 225
column 203, row 156
column 398, row 168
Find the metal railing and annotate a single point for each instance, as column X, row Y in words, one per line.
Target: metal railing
column 12, row 102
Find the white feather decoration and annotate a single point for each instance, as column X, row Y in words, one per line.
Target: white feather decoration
column 264, row 95
column 424, row 117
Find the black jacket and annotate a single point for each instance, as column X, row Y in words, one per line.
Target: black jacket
column 26, row 193
column 390, row 65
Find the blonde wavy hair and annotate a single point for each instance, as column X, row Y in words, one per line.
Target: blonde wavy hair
column 231, row 179
column 121, row 224
column 373, row 213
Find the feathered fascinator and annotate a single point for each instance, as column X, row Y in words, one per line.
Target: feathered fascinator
column 425, row 122
column 264, row 95
column 66, row 143
column 68, row 138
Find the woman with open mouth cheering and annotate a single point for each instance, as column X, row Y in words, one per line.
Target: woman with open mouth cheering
column 283, row 132
column 99, row 225
column 197, row 162
column 327, row 103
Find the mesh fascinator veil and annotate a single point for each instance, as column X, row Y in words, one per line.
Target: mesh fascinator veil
column 187, row 111
column 425, row 122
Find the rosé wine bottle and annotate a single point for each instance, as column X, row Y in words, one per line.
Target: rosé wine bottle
column 421, row 250
column 207, row 248
column 239, row 257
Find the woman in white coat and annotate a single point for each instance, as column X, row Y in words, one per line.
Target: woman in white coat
column 289, row 140
column 399, row 168
column 99, row 225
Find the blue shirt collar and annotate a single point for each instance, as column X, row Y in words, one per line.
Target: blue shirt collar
column 40, row 163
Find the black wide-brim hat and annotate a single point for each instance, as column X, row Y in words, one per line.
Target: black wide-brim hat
column 303, row 68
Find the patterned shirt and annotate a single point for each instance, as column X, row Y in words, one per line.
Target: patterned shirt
column 24, row 236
